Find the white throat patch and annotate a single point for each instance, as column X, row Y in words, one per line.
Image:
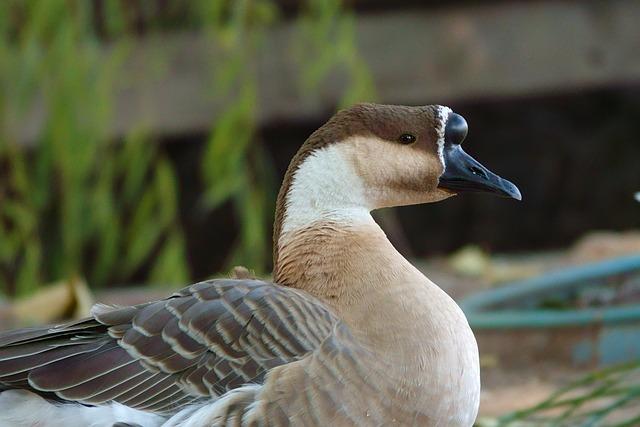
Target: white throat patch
column 442, row 115
column 325, row 187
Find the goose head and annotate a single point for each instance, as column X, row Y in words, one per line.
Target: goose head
column 372, row 156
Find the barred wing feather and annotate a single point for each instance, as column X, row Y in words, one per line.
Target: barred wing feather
column 201, row 342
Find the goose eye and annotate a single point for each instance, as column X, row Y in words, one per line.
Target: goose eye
column 407, row 138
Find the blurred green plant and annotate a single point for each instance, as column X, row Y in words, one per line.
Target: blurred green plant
column 77, row 203
column 237, row 28
column 605, row 398
column 323, row 42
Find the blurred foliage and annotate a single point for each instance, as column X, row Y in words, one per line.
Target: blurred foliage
column 78, row 204
column 228, row 170
column 323, row 42
column 609, row 397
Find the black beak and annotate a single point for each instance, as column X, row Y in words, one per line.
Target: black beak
column 462, row 172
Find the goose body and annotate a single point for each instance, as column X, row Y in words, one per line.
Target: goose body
column 349, row 333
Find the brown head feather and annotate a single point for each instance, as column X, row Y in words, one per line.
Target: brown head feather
column 387, row 122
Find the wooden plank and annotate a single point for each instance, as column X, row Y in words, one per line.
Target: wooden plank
column 416, row 57
column 504, row 49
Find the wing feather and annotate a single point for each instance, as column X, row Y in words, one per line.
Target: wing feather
column 110, row 392
column 201, row 342
column 102, row 381
column 72, row 371
column 137, row 393
column 149, row 394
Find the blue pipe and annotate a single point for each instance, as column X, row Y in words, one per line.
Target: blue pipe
column 480, row 311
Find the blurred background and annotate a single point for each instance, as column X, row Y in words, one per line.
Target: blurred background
column 142, row 144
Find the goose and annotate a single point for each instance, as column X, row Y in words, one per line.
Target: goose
column 349, row 332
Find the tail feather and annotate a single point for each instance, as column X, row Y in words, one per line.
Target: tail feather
column 27, row 335
column 25, row 351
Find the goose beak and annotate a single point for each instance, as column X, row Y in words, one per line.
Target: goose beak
column 462, row 172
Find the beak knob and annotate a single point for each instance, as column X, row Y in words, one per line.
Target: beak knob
column 456, row 130
column 464, row 173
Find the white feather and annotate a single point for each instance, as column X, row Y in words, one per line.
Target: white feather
column 326, row 186
column 20, row 408
column 440, row 128
column 210, row 414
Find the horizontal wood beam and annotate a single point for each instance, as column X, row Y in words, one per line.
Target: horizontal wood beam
column 504, row 49
column 421, row 56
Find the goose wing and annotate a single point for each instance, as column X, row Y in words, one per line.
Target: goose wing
column 199, row 343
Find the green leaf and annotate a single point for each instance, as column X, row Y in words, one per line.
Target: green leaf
column 170, row 267
column 142, row 233
column 28, row 278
